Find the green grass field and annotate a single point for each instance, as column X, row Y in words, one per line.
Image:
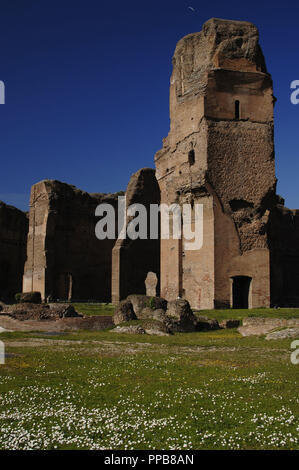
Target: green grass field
column 108, row 309
column 94, row 309
column 254, row 313
column 102, row 390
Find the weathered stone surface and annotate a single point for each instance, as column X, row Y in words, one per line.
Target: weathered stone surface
column 283, row 235
column 28, row 311
column 141, row 302
column 156, row 332
column 151, row 283
column 131, row 330
column 283, row 334
column 3, row 330
column 65, row 260
column 220, row 154
column 124, row 313
column 262, row 326
column 147, row 312
column 31, row 297
column 159, row 315
column 181, row 316
column 179, row 309
column 13, row 236
column 63, row 310
column 229, row 324
column 155, row 320
column 203, row 324
column 96, row 323
column 133, row 259
column 154, row 327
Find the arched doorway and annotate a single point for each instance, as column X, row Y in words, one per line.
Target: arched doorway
column 65, row 286
column 241, row 290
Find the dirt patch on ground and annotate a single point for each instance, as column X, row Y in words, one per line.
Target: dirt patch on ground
column 120, row 346
column 40, row 312
column 262, row 326
column 96, row 323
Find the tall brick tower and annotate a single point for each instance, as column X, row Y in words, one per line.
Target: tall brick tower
column 220, row 153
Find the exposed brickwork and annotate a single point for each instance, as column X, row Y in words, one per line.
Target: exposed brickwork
column 284, row 244
column 133, row 259
column 13, row 235
column 64, row 258
column 219, row 153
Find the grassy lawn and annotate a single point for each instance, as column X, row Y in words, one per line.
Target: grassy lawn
column 102, row 390
column 102, row 309
column 255, row 313
column 108, row 309
column 94, row 309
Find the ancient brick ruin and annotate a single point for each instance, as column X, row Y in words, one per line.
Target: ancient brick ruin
column 132, row 260
column 13, row 239
column 219, row 153
column 65, row 260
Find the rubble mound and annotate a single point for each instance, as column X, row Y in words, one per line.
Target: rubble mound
column 287, row 333
column 181, row 316
column 124, row 313
column 30, row 311
column 141, row 302
column 30, row 297
column 157, row 316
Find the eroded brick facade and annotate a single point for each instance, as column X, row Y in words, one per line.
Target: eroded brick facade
column 65, row 260
column 220, row 153
column 13, row 236
column 132, row 260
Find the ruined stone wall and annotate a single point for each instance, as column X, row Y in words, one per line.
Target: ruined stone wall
column 134, row 259
column 283, row 236
column 65, row 260
column 219, row 153
column 231, row 262
column 13, row 235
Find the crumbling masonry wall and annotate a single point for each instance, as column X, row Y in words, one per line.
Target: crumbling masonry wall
column 132, row 260
column 284, row 246
column 220, row 153
column 13, row 237
column 65, row 260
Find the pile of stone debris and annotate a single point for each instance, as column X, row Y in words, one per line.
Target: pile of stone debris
column 158, row 317
column 39, row 312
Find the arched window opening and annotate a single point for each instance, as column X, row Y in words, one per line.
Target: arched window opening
column 241, row 291
column 191, row 157
column 237, row 109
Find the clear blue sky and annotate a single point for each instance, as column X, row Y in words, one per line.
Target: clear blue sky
column 87, row 87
